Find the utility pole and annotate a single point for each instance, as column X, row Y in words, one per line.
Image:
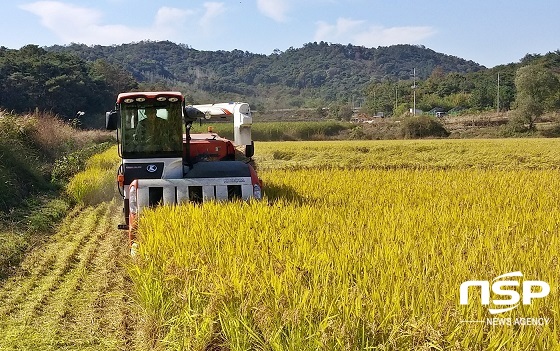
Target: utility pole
column 396, row 98
column 414, row 91
column 498, row 95
column 374, row 103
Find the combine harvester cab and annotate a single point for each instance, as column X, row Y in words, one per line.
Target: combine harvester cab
column 164, row 164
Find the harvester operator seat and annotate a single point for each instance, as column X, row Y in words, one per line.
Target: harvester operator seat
column 153, row 132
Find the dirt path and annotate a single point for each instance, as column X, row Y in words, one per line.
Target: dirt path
column 72, row 293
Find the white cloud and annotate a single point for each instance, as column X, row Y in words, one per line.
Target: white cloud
column 381, row 36
column 168, row 17
column 77, row 24
column 342, row 28
column 275, row 9
column 65, row 20
column 357, row 32
column 213, row 11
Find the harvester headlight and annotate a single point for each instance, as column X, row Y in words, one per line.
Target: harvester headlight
column 132, row 200
column 257, row 192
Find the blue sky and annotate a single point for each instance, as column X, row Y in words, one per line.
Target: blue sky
column 489, row 32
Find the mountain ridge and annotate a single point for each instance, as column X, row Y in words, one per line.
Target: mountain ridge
column 321, row 71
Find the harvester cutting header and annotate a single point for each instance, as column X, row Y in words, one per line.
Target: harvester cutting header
column 163, row 163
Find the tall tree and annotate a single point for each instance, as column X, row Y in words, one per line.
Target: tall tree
column 537, row 90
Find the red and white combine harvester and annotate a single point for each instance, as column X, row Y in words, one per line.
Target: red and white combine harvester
column 163, row 163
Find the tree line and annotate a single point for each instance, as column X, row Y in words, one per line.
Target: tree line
column 502, row 88
column 68, row 79
column 314, row 75
column 34, row 79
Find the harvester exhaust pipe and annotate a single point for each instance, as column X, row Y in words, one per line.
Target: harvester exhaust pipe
column 191, row 114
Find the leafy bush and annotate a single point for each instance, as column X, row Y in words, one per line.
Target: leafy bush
column 68, row 165
column 357, row 133
column 552, row 132
column 423, row 127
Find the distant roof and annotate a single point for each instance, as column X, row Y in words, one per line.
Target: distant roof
column 436, row 109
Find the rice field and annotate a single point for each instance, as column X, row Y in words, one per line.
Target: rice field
column 277, row 131
column 360, row 246
column 97, row 182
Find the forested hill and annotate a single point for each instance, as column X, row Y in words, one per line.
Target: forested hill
column 317, row 71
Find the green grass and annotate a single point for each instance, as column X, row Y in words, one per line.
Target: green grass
column 38, row 154
column 36, row 148
column 27, row 226
column 71, row 292
column 20, row 172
